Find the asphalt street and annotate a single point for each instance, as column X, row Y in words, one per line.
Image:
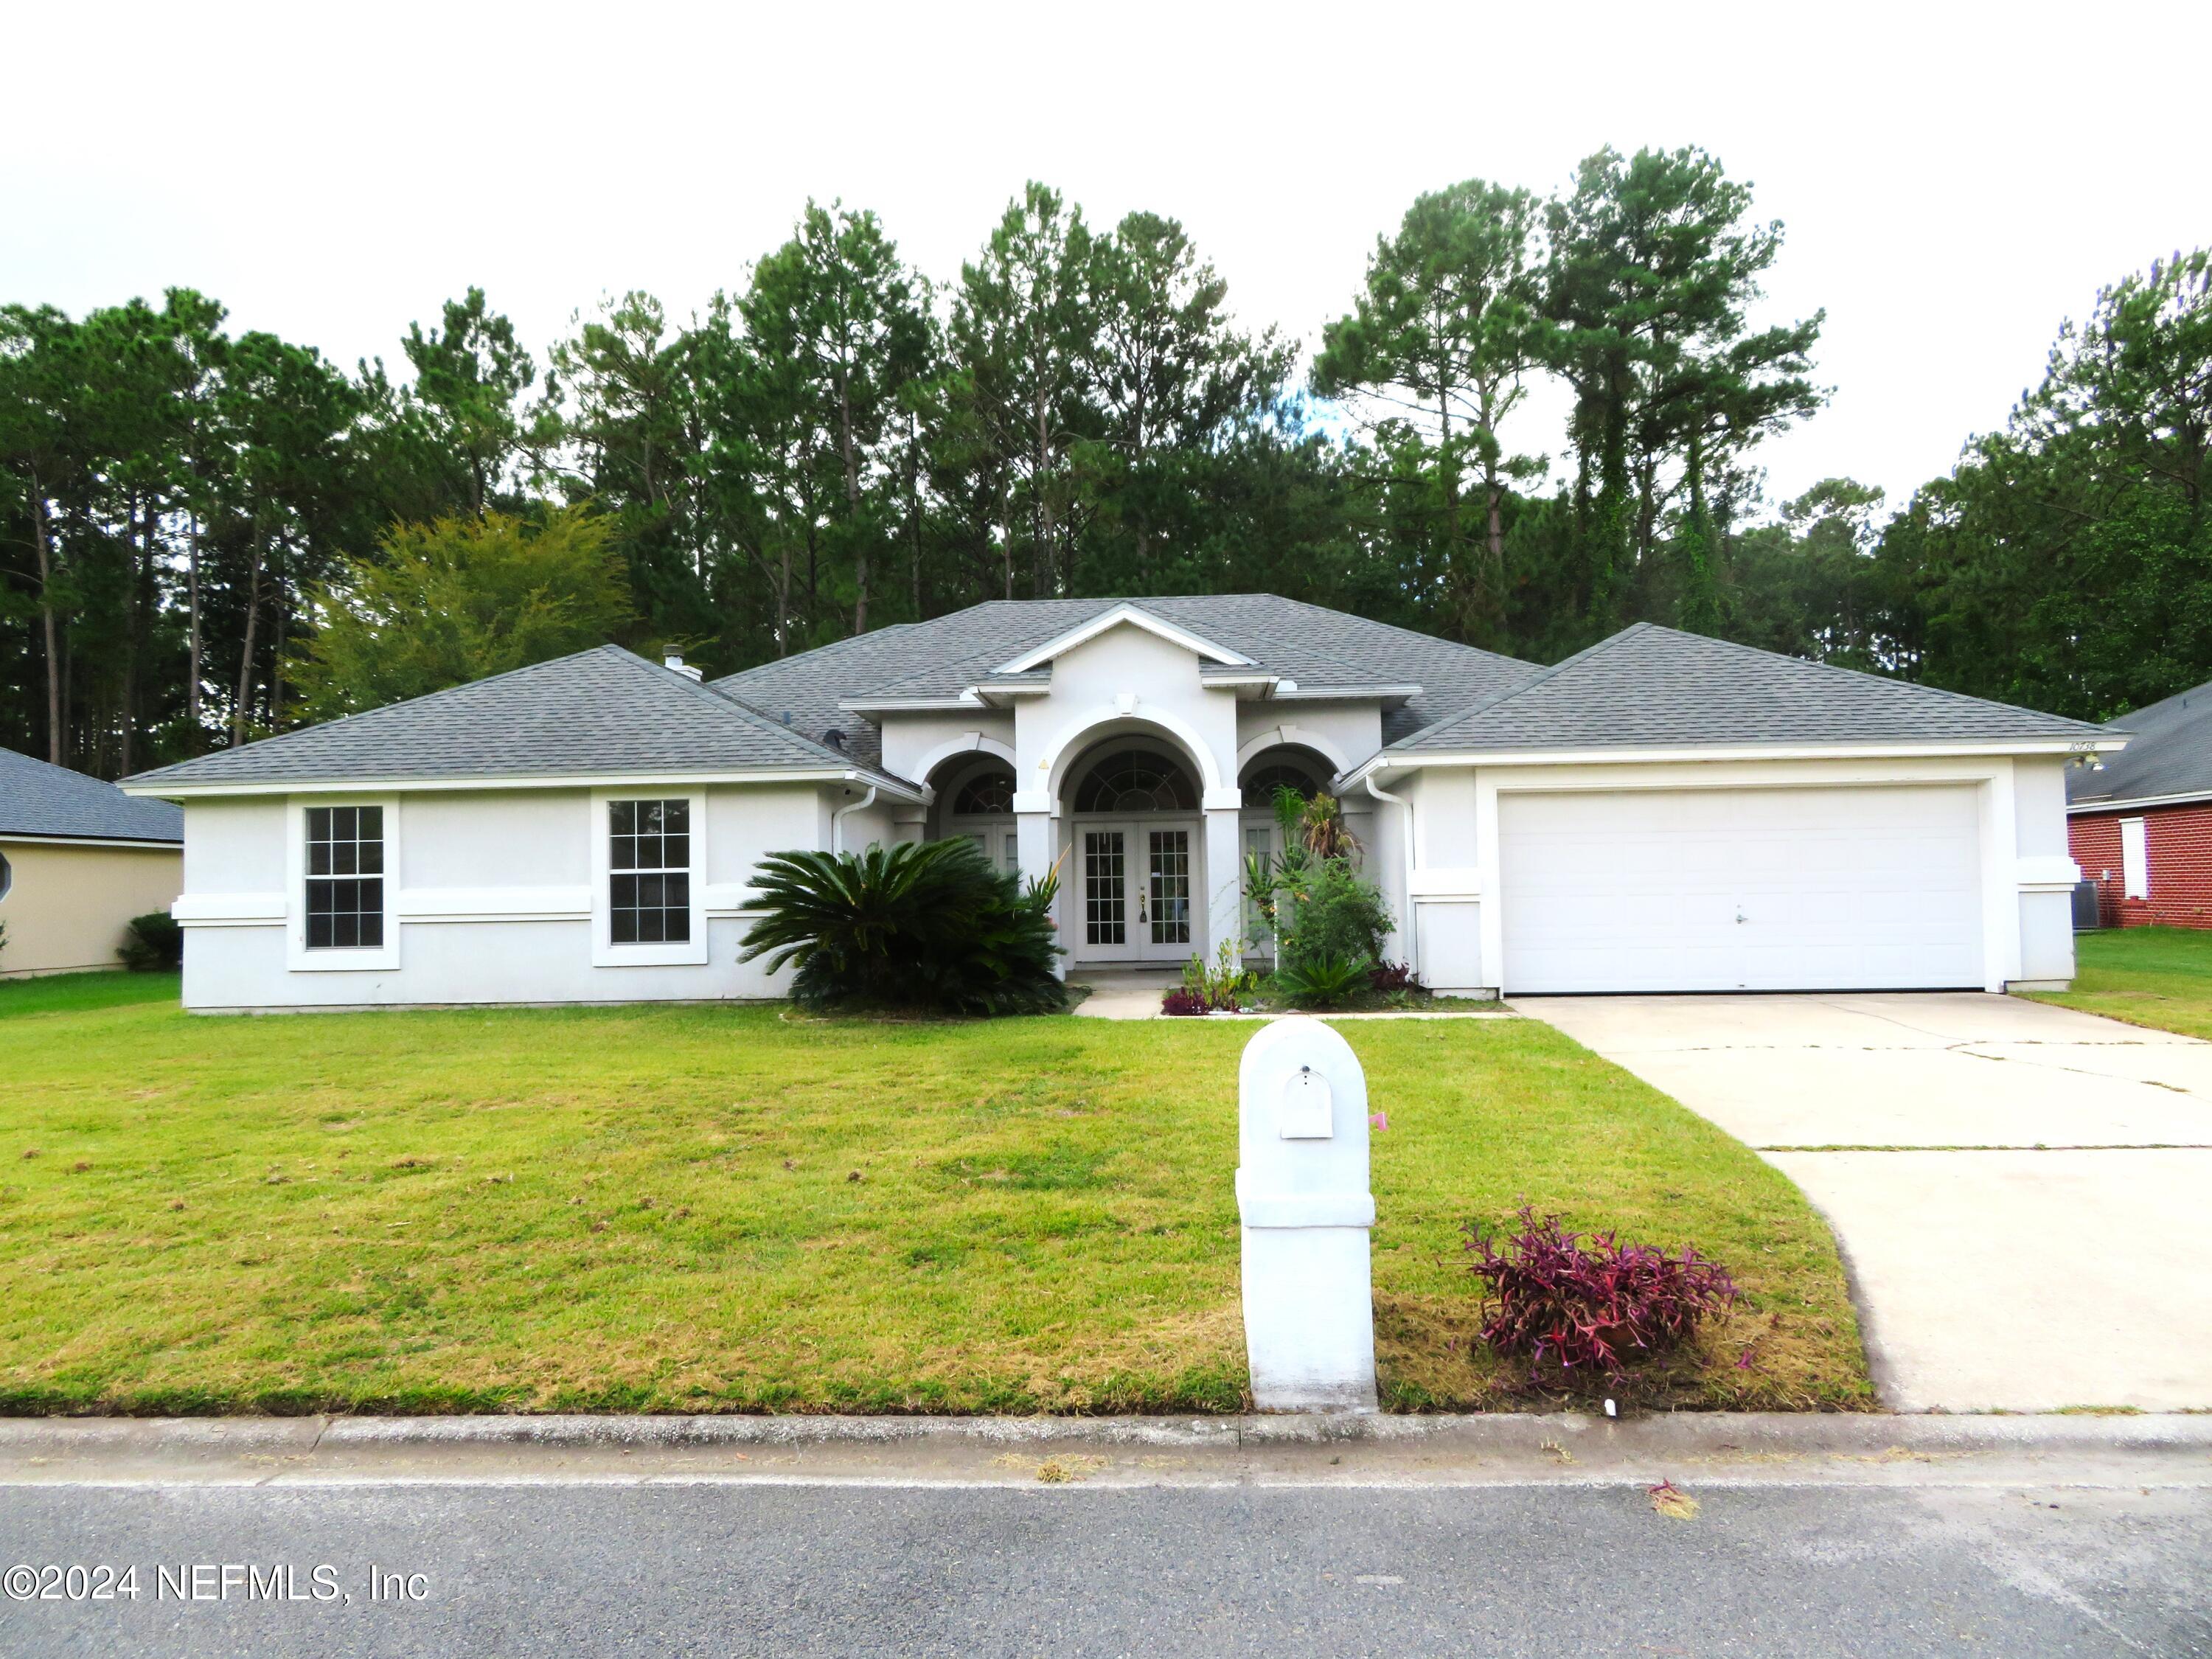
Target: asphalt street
column 1880, row 1572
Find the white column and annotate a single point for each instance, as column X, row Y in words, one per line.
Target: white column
column 1224, row 879
column 1034, row 836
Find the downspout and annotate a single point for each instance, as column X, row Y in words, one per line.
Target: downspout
column 1406, row 807
column 837, row 820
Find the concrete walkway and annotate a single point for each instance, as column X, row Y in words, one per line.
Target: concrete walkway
column 1124, row 993
column 1134, row 994
column 2019, row 1189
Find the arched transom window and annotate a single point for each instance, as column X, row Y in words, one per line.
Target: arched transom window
column 1261, row 782
column 985, row 795
column 1136, row 780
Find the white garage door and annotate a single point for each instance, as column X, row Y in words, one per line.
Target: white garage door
column 1741, row 890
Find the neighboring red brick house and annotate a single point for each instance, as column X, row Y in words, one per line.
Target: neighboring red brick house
column 2140, row 822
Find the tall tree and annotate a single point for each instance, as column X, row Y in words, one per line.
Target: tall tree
column 470, row 377
column 1651, row 270
column 1438, row 344
column 1022, row 342
column 289, row 417
column 40, row 368
column 1170, row 373
column 621, row 423
column 838, row 306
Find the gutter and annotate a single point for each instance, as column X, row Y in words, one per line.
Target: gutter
column 147, row 843
column 893, row 787
column 837, row 819
column 2134, row 803
column 1390, row 760
column 1413, row 913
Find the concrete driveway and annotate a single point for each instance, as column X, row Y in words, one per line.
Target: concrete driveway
column 2021, row 1191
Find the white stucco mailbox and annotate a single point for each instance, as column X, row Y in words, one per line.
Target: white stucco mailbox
column 1303, row 1197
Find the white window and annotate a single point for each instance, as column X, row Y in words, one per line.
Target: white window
column 1259, row 848
column 648, row 878
column 1002, row 847
column 7, row 876
column 2135, row 859
column 345, row 877
column 649, row 872
column 341, row 868
column 983, row 795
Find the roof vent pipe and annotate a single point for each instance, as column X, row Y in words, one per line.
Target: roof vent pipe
column 673, row 662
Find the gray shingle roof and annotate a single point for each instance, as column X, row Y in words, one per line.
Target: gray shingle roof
column 1318, row 647
column 1650, row 686
column 2169, row 752
column 38, row 799
column 602, row 711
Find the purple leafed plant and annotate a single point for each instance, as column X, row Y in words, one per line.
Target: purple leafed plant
column 1181, row 1001
column 1388, row 977
column 1586, row 1301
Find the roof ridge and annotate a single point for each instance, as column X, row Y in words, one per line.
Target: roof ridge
column 440, row 695
column 723, row 701
column 1400, row 628
column 1528, row 685
column 1864, row 674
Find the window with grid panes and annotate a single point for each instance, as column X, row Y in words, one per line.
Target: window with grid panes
column 649, row 872
column 345, row 877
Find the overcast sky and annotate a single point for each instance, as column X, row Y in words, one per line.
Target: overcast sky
column 1954, row 181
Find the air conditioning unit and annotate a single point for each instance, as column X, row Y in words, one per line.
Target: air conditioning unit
column 2089, row 911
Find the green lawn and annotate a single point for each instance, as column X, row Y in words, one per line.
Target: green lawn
column 664, row 1208
column 2156, row 976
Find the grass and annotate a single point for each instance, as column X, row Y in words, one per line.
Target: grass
column 659, row 1208
column 2156, row 976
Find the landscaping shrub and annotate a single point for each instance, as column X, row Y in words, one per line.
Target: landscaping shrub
column 1322, row 981
column 923, row 925
column 153, row 944
column 1221, row 984
column 1334, row 913
column 1586, row 1301
column 1391, row 977
column 1179, row 999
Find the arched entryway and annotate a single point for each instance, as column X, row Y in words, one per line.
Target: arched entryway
column 1281, row 766
column 975, row 798
column 1135, row 851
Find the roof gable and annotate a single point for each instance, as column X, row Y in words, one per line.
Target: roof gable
column 1653, row 687
column 38, row 799
column 1323, row 650
column 1123, row 615
column 601, row 712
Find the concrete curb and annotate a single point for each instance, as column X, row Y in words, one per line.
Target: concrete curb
column 1361, row 1449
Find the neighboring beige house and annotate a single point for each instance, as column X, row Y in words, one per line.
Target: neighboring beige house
column 78, row 859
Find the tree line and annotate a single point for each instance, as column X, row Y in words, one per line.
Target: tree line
column 208, row 536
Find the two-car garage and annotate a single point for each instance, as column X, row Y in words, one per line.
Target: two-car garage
column 1807, row 889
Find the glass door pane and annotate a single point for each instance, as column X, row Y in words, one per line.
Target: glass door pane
column 1105, row 913
column 1169, row 882
column 1259, row 848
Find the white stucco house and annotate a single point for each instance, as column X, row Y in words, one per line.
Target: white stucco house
column 1662, row 812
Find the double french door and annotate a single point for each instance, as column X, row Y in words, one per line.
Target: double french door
column 1136, row 882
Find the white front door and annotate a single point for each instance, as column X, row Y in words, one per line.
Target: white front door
column 1742, row 890
column 1137, row 880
